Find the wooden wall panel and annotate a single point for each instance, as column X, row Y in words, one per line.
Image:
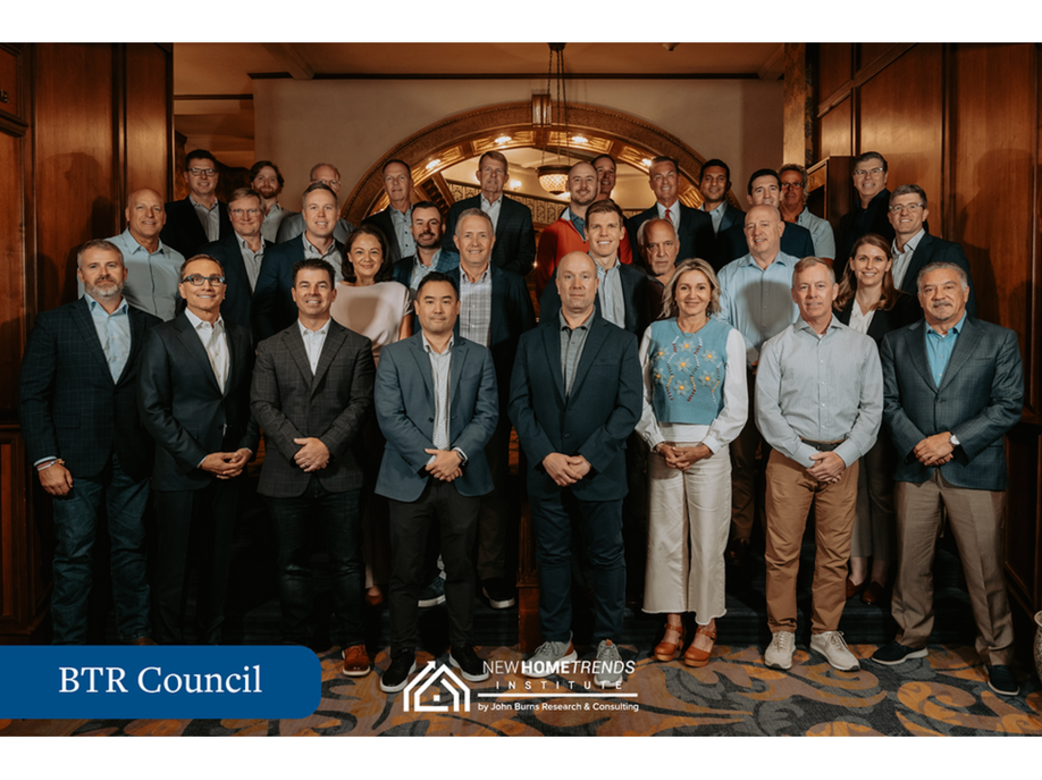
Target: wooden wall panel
column 834, row 67
column 12, row 267
column 835, row 138
column 901, row 115
column 148, row 139
column 868, row 53
column 76, row 179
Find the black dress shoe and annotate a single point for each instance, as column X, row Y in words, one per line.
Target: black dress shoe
column 1002, row 680
column 466, row 660
column 397, row 675
column 895, row 653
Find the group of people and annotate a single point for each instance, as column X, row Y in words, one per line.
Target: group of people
column 724, row 354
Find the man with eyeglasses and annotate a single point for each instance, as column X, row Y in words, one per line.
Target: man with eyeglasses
column 869, row 214
column 194, row 400
column 914, row 248
column 240, row 254
column 794, row 211
column 200, row 218
column 294, row 224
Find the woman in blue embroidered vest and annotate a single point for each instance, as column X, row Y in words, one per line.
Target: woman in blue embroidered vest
column 695, row 404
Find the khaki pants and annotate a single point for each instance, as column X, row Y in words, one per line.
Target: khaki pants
column 790, row 494
column 976, row 521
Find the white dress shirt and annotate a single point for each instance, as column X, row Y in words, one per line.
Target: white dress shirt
column 214, row 339
column 313, row 342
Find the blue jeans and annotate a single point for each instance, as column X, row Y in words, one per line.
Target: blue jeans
column 76, row 517
column 339, row 522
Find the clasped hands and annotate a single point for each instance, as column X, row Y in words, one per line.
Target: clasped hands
column 934, row 450
column 446, row 465
column 828, row 467
column 226, row 465
column 682, row 458
column 564, row 469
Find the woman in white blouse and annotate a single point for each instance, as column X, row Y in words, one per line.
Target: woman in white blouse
column 870, row 303
column 695, row 404
column 370, row 302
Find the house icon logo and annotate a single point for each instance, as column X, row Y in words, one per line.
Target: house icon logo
column 425, row 679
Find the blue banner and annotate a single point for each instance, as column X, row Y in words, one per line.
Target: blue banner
column 102, row 682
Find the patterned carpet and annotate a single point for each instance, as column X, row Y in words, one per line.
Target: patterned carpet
column 734, row 695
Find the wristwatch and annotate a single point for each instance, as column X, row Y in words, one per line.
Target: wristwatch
column 953, row 439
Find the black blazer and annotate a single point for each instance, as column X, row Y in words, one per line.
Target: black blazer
column 732, row 244
column 904, row 312
column 931, row 250
column 732, row 216
column 382, row 220
column 183, row 230
column 696, row 231
column 637, row 295
column 273, row 307
column 860, row 222
column 182, row 405
column 514, row 249
column 68, row 404
column 595, row 420
column 512, row 315
column 289, row 402
column 238, row 296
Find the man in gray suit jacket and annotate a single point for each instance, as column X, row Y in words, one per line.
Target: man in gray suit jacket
column 312, row 391
column 952, row 387
column 437, row 407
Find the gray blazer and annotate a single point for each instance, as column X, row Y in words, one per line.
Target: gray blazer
column 405, row 405
column 979, row 400
column 332, row 405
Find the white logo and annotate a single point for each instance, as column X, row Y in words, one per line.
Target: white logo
column 428, row 676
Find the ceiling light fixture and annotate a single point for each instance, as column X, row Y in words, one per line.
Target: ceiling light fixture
column 554, row 177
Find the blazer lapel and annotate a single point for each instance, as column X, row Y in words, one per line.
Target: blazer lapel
column 423, row 364
column 137, row 338
column 84, row 321
column 334, row 339
column 190, row 341
column 964, row 347
column 552, row 343
column 917, row 337
column 295, row 347
column 237, row 350
column 594, row 339
column 460, row 353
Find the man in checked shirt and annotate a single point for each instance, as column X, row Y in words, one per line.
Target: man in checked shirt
column 819, row 403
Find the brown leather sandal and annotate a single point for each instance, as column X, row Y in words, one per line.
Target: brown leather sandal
column 666, row 651
column 696, row 656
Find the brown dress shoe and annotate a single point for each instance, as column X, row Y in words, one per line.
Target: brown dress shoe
column 356, row 661
column 695, row 656
column 874, row 593
column 666, row 651
column 144, row 641
column 852, row 589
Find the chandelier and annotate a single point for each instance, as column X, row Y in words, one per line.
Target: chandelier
column 549, row 109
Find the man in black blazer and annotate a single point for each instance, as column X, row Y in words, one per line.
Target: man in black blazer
column 948, row 407
column 194, row 395
column 395, row 221
column 871, row 211
column 78, row 408
column 200, row 218
column 714, row 184
column 495, row 309
column 515, row 236
column 575, row 397
column 273, row 307
column 694, row 228
column 914, row 248
column 623, row 295
column 312, row 392
column 241, row 254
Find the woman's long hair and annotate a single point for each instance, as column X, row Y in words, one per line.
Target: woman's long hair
column 386, row 272
column 848, row 286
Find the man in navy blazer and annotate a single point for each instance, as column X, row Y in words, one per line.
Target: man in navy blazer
column 273, row 306
column 78, row 408
column 624, row 295
column 694, row 228
column 194, row 399
column 436, row 406
column 953, row 386
column 395, row 221
column 515, row 236
column 200, row 218
column 914, row 248
column 575, row 397
column 714, row 184
column 426, row 230
column 495, row 309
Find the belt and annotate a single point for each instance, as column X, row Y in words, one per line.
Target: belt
column 823, row 446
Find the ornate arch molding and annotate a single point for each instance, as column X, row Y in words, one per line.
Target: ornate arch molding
column 456, row 138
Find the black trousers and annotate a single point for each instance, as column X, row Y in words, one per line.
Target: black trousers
column 457, row 518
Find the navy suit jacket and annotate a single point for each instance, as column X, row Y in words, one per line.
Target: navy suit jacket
column 68, row 404
column 932, row 250
column 696, row 231
column 732, row 244
column 237, row 306
column 732, row 216
column 405, row 406
column 979, row 399
column 512, row 315
column 273, row 306
column 382, row 220
column 637, row 296
column 182, row 405
column 594, row 421
column 332, row 404
column 184, row 232
column 514, row 249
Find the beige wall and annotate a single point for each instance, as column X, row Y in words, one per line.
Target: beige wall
column 354, row 123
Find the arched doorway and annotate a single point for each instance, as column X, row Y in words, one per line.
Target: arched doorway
column 591, row 131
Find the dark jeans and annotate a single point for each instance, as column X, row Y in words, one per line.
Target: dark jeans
column 76, row 517
column 600, row 527
column 457, row 518
column 339, row 521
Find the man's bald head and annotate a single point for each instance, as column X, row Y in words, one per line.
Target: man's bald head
column 763, row 232
column 146, row 215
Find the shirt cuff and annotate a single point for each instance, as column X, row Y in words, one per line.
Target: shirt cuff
column 462, row 454
column 45, row 460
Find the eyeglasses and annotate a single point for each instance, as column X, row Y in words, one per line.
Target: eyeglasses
column 202, row 171
column 792, row 185
column 909, row 207
column 864, row 172
column 245, row 212
column 198, row 280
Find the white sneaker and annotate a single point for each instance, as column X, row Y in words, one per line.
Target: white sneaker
column 609, row 664
column 831, row 645
column 779, row 652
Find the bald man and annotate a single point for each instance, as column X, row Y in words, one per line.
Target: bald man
column 153, row 269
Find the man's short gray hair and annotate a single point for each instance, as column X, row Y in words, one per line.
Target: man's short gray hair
column 809, row 262
column 474, row 213
column 98, row 243
column 941, row 265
